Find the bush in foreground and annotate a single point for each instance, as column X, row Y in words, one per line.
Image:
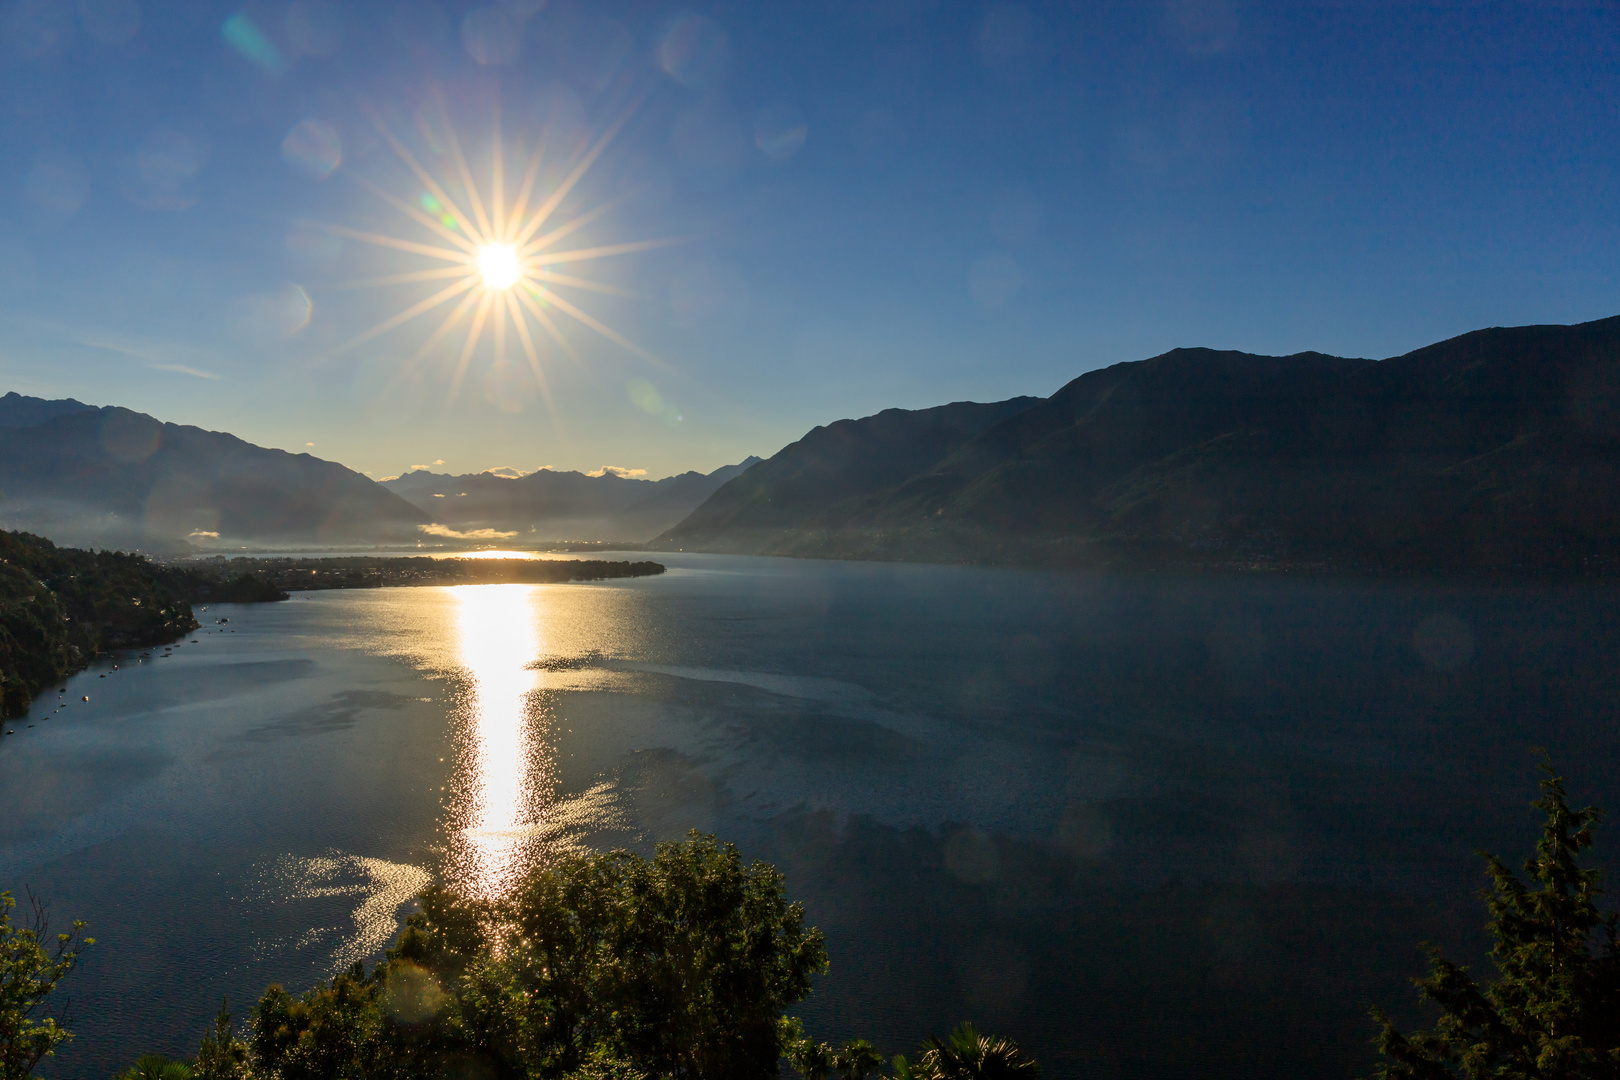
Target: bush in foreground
column 964, row 1055
column 604, row 967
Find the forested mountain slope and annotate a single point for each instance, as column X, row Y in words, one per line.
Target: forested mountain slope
column 59, row 607
column 1496, row 451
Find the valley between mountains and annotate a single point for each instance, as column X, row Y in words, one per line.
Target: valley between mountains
column 1495, row 453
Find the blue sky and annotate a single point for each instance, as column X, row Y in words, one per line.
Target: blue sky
column 878, row 203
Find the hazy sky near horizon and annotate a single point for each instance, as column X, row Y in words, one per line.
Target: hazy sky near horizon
column 878, row 203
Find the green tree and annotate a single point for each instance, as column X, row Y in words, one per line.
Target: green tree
column 857, row 1060
column 1553, row 1013
column 157, row 1067
column 603, row 1065
column 684, row 963
column 967, row 1055
column 31, row 964
column 813, row 1059
column 222, row 1056
column 328, row 1033
column 601, row 966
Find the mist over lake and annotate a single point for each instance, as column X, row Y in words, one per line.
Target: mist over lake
column 1156, row 825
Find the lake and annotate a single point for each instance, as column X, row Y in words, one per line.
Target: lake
column 1146, row 825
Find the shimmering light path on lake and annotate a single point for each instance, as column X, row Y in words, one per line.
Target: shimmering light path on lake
column 1147, row 826
column 498, row 783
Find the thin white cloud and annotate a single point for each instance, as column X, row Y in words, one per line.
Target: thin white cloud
column 182, row 369
column 154, row 353
column 202, row 534
column 506, row 472
column 618, row 470
column 122, row 348
column 167, row 354
column 472, row 534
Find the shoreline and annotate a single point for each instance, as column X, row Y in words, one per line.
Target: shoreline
column 369, row 572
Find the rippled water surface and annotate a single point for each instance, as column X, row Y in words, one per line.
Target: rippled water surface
column 1149, row 827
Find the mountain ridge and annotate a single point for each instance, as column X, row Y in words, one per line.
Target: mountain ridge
column 562, row 504
column 836, row 465
column 111, row 476
column 19, row 411
column 1492, row 452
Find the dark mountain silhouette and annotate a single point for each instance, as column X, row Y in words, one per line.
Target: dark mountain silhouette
column 674, row 497
column 1496, row 451
column 113, row 477
column 837, row 475
column 549, row 504
column 19, row 411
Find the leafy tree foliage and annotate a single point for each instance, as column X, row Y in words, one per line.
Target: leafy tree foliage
column 605, row 966
column 857, row 1060
column 1553, row 1013
column 222, row 1056
column 813, row 1059
column 31, row 964
column 157, row 1067
column 967, row 1055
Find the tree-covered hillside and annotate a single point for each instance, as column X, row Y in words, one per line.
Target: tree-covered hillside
column 59, row 607
column 1494, row 453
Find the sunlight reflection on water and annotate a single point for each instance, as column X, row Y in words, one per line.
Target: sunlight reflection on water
column 504, row 770
column 488, row 555
column 502, row 809
column 376, row 888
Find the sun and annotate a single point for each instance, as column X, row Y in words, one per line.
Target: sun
column 499, row 256
column 499, row 266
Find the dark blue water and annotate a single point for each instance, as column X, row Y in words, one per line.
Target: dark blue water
column 1146, row 826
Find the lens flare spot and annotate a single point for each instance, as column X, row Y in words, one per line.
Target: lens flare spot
column 780, row 131
column 508, row 385
column 314, row 148
column 491, row 36
column 314, row 27
column 645, row 397
column 693, row 51
column 243, row 35
column 500, row 266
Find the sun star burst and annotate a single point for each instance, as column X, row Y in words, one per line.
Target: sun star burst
column 497, row 256
column 499, row 266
